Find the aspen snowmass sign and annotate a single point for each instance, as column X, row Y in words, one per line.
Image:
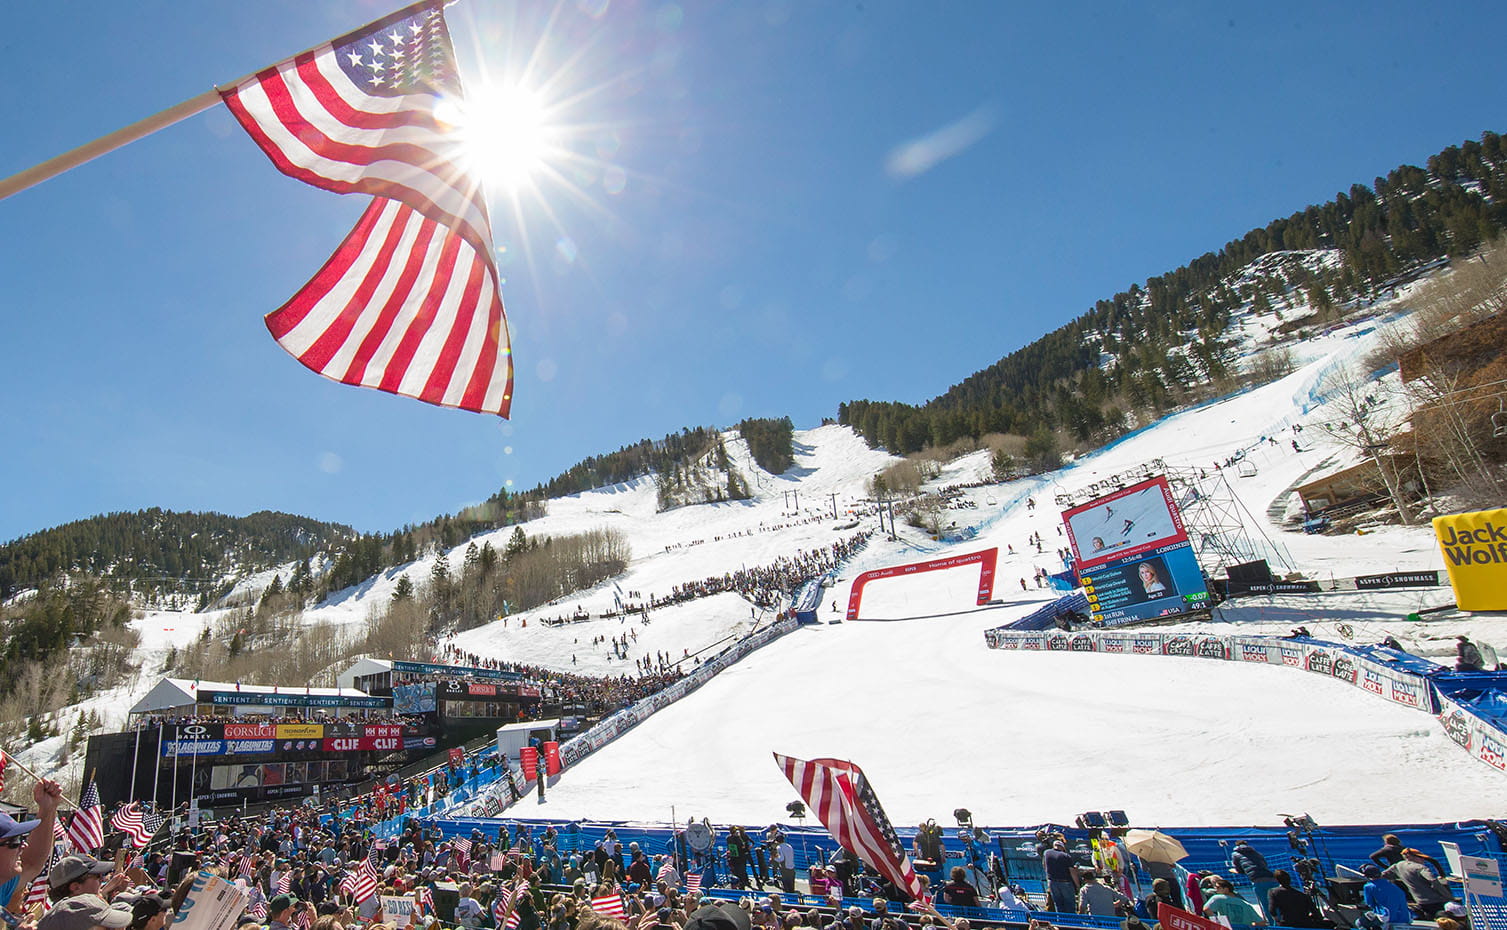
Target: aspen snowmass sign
column 1475, row 554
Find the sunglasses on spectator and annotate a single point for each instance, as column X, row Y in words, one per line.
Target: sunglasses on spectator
column 15, row 842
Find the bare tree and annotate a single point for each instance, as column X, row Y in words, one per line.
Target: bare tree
column 1364, row 421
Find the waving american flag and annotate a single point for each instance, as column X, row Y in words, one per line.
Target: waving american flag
column 86, row 829
column 842, row 799
column 410, row 302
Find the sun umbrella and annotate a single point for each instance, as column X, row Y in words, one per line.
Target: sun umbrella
column 1154, row 846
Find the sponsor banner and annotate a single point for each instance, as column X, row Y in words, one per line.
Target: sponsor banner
column 1397, row 580
column 1037, row 641
column 1344, row 667
column 1292, row 655
column 1178, row 646
column 1475, row 555
column 362, row 743
column 429, row 668
column 1491, row 750
column 301, row 745
column 528, row 759
column 1373, row 681
column 1242, row 589
column 300, row 731
column 1319, row 660
column 193, row 747
column 1146, row 644
column 480, row 690
column 418, row 742
column 528, row 691
column 382, row 729
column 1251, row 649
column 1211, row 647
column 1458, row 725
column 234, row 746
column 457, row 755
column 248, row 699
column 1058, row 642
column 250, row 731
column 1115, row 643
column 1083, row 642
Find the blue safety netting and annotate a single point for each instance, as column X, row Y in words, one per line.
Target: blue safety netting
column 1045, row 618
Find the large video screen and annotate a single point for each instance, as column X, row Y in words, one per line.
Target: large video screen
column 1162, row 583
column 1126, row 523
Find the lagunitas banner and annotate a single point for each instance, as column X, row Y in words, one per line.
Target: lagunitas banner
column 1475, row 555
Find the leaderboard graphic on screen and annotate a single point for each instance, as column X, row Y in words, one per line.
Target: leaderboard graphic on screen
column 1133, row 556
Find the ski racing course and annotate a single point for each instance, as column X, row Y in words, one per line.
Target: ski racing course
column 939, row 721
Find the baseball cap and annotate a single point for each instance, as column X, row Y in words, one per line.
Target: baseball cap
column 718, row 916
column 83, row 911
column 280, row 903
column 74, row 868
column 10, row 827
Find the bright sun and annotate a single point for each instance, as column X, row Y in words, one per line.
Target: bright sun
column 506, row 132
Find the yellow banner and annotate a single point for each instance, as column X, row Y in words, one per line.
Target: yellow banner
column 1475, row 555
column 300, row 731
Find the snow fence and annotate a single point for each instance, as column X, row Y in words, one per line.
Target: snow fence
column 1471, row 707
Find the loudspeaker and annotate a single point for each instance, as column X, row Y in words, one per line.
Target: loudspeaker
column 446, row 899
column 1257, row 572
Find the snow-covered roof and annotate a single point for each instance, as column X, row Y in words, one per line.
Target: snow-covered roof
column 175, row 693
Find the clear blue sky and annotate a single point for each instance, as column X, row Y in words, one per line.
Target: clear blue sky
column 742, row 230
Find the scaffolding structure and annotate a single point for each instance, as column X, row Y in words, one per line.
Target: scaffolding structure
column 1218, row 524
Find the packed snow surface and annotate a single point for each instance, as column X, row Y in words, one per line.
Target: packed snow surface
column 939, row 721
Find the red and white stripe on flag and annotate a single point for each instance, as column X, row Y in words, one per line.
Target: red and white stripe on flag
column 693, row 881
column 410, row 302
column 842, row 799
column 610, row 905
column 86, row 829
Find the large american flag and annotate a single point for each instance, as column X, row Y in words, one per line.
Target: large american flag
column 362, row 883
column 609, row 905
column 410, row 302
column 139, row 826
column 842, row 799
column 86, row 829
column 503, row 911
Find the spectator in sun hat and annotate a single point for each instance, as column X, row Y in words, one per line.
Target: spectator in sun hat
column 85, row 912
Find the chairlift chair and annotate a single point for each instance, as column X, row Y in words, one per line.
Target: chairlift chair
column 1499, row 420
column 1246, row 469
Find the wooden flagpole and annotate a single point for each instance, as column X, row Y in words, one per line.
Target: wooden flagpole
column 89, row 151
column 12, row 760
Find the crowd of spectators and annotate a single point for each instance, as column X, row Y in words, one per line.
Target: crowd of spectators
column 768, row 585
column 323, row 868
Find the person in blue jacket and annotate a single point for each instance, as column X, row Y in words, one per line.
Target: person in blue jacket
column 1384, row 898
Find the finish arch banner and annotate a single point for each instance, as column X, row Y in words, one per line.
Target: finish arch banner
column 1475, row 555
column 984, row 558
